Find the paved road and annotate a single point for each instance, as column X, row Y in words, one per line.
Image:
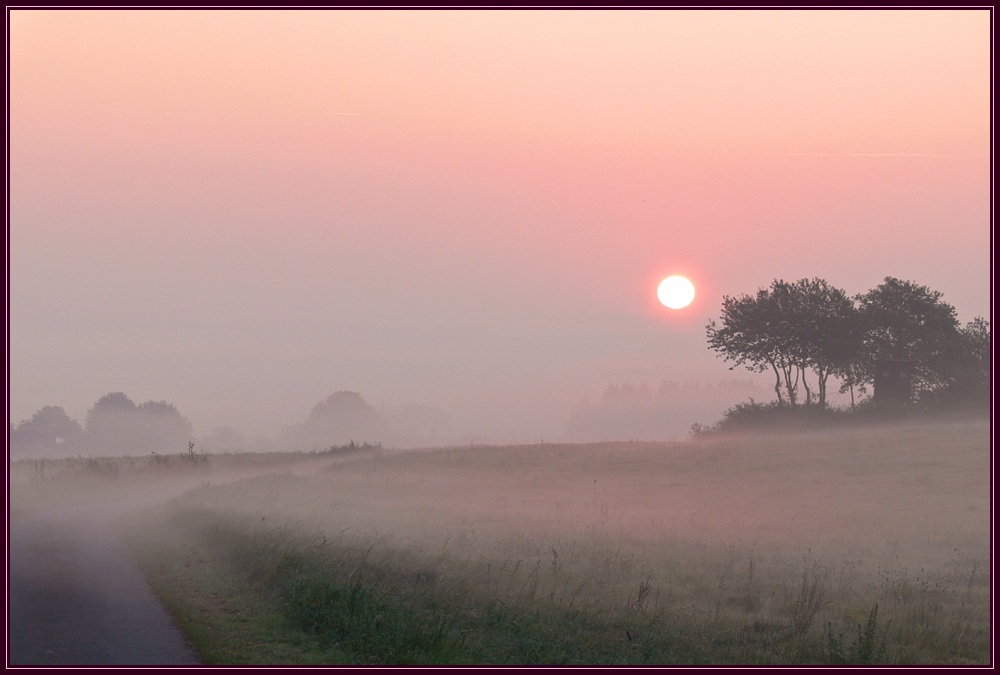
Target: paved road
column 75, row 598
column 74, row 595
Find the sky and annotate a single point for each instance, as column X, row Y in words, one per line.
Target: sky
column 242, row 212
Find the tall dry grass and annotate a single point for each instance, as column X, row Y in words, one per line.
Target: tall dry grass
column 850, row 546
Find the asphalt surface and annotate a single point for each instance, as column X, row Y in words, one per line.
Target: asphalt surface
column 75, row 597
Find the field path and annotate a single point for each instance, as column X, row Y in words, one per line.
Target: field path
column 75, row 597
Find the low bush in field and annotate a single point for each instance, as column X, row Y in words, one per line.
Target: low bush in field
column 774, row 416
column 754, row 416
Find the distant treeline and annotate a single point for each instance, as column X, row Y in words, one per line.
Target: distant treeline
column 115, row 425
column 640, row 411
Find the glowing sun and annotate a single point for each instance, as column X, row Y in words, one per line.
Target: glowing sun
column 675, row 292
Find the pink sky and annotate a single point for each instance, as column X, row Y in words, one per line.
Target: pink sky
column 242, row 212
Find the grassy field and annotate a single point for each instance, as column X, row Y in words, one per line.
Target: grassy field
column 852, row 546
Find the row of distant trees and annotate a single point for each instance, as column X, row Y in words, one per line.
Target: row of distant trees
column 629, row 411
column 115, row 425
column 809, row 329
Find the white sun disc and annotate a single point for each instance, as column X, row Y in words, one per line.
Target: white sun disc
column 675, row 292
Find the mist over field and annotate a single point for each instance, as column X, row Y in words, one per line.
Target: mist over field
column 909, row 495
column 728, row 530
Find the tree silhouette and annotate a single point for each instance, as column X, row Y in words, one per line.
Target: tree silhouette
column 112, row 425
column 751, row 335
column 163, row 427
column 809, row 325
column 789, row 328
column 341, row 417
column 116, row 425
column 968, row 372
column 50, row 432
column 822, row 329
column 904, row 320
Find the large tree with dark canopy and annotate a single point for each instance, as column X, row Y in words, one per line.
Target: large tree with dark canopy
column 904, row 320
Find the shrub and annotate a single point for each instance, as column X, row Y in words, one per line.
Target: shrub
column 754, row 416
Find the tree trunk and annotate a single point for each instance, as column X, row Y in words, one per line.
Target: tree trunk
column 777, row 382
column 809, row 398
column 789, row 385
